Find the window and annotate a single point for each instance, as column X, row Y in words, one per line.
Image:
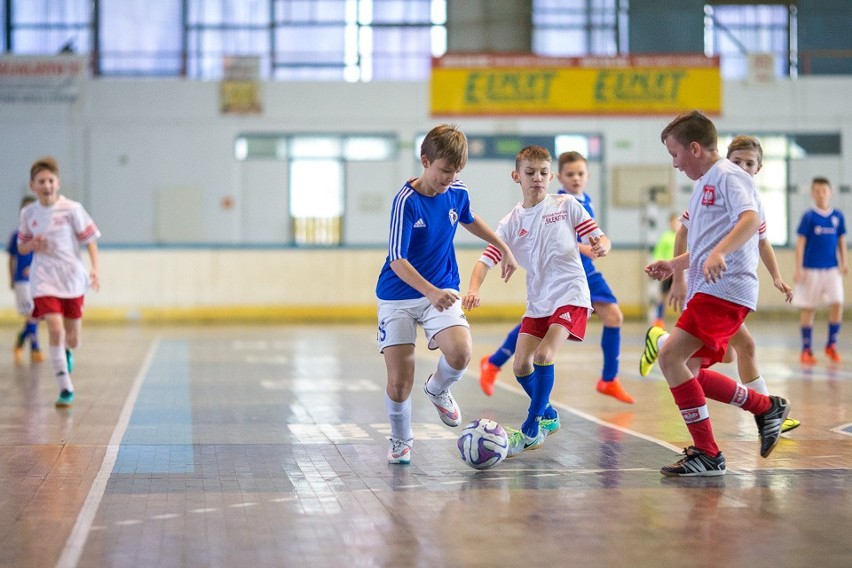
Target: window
column 571, row 28
column 317, row 180
column 736, row 31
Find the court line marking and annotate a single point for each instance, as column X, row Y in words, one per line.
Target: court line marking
column 73, row 548
column 595, row 419
column 845, row 429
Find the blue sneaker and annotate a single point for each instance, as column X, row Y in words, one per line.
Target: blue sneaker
column 69, row 357
column 66, row 397
column 550, row 425
column 520, row 442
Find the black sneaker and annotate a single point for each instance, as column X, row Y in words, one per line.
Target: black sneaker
column 769, row 424
column 696, row 463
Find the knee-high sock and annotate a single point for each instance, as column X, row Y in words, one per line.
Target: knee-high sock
column 60, row 366
column 725, row 389
column 611, row 347
column 505, row 352
column 693, row 407
column 444, row 377
column 807, row 334
column 833, row 332
column 542, row 387
column 527, row 384
column 399, row 414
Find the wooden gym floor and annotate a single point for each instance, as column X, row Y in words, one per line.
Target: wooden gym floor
column 265, row 446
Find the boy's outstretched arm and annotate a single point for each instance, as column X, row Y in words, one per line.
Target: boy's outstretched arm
column 480, row 228
column 94, row 276
column 767, row 256
column 747, row 224
column 477, row 277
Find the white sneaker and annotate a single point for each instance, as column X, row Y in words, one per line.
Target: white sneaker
column 399, row 450
column 448, row 410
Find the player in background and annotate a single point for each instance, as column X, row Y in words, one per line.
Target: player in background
column 722, row 220
column 664, row 250
column 820, row 268
column 747, row 153
column 19, row 281
column 543, row 231
column 55, row 228
column 573, row 175
column 419, row 284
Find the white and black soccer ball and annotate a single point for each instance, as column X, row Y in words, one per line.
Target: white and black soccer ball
column 483, row 443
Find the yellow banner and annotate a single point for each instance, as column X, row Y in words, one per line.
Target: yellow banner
column 470, row 84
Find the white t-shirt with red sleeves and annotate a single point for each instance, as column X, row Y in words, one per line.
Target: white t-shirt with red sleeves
column 720, row 197
column 59, row 271
column 543, row 239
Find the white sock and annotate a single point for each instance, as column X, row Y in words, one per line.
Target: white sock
column 444, row 377
column 60, row 366
column 399, row 414
column 662, row 339
column 758, row 385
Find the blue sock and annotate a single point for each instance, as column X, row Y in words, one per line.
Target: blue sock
column 611, row 347
column 527, row 383
column 550, row 412
column 660, row 310
column 807, row 332
column 499, row 358
column 833, row 331
column 32, row 333
column 542, row 387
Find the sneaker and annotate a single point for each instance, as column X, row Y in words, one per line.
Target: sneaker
column 769, row 424
column 649, row 356
column 519, row 442
column 36, row 356
column 790, row 424
column 488, row 372
column 659, row 323
column 69, row 357
column 831, row 353
column 550, row 425
column 614, row 389
column 18, row 354
column 399, row 450
column 448, row 410
column 66, row 397
column 807, row 357
column 695, row 463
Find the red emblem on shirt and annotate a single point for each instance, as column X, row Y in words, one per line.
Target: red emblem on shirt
column 522, row 233
column 709, row 195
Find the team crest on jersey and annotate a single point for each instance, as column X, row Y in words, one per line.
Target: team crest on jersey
column 454, row 217
column 708, row 197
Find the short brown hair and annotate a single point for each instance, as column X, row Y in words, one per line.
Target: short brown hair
column 532, row 154
column 446, row 142
column 820, row 179
column 689, row 127
column 570, row 158
column 42, row 164
column 746, row 143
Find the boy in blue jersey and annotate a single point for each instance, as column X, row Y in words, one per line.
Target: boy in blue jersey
column 419, row 284
column 820, row 267
column 573, row 175
column 19, row 280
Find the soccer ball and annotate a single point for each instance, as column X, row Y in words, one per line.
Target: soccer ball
column 483, row 443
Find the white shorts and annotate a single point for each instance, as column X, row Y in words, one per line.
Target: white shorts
column 398, row 320
column 24, row 298
column 820, row 285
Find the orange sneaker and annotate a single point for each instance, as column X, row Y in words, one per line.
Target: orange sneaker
column 807, row 357
column 832, row 354
column 19, row 355
column 36, row 356
column 660, row 323
column 614, row 389
column 488, row 372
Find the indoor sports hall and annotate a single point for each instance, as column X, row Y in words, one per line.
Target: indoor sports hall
column 240, row 160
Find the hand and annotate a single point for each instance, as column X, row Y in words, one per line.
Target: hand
column 94, row 281
column 39, row 243
column 659, row 270
column 442, row 299
column 508, row 266
column 597, row 248
column 470, row 300
column 785, row 289
column 714, row 267
column 677, row 294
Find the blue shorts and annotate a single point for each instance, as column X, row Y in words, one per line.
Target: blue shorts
column 599, row 289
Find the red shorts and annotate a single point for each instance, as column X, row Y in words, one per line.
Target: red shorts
column 572, row 318
column 713, row 321
column 71, row 308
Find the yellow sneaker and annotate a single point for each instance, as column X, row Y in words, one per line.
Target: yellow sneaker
column 649, row 356
column 790, row 424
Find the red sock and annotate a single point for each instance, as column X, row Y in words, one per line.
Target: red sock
column 725, row 389
column 693, row 407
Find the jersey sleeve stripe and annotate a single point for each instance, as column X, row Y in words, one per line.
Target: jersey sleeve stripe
column 396, row 228
column 491, row 257
column 87, row 233
column 586, row 227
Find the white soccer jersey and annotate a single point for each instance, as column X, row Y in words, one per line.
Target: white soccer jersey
column 720, row 197
column 544, row 241
column 59, row 271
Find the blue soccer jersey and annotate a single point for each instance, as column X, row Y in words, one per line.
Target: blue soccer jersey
column 22, row 261
column 821, row 232
column 422, row 231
